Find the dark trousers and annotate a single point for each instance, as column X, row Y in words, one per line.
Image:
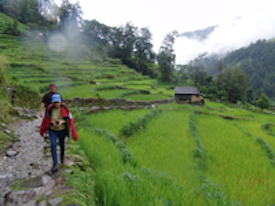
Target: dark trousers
column 54, row 135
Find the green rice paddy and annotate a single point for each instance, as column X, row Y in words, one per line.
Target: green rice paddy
column 158, row 163
column 237, row 170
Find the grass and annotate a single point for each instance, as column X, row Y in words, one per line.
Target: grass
column 152, row 147
column 236, row 161
column 81, row 91
column 237, row 167
column 157, row 174
column 114, row 120
column 120, row 184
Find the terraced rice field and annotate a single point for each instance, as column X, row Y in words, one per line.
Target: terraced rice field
column 213, row 160
column 34, row 64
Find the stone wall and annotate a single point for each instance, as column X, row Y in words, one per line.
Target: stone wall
column 89, row 102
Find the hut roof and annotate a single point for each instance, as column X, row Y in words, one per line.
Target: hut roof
column 187, row 90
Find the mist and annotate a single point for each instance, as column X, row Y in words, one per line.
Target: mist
column 230, row 35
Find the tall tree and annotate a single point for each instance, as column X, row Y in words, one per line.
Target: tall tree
column 144, row 55
column 166, row 57
column 263, row 102
column 249, row 95
column 122, row 41
column 197, row 70
column 235, row 82
column 70, row 17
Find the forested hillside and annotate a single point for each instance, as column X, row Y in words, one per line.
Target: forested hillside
column 257, row 60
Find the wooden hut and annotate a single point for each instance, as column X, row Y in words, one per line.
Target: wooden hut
column 188, row 95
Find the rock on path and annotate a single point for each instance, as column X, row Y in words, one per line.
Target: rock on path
column 29, row 161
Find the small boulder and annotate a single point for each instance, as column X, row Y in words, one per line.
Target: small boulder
column 7, row 131
column 48, row 182
column 68, row 171
column 11, row 153
column 55, row 202
column 69, row 163
column 42, row 203
column 30, row 203
column 48, row 154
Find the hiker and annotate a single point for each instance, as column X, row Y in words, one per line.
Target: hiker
column 58, row 122
column 47, row 99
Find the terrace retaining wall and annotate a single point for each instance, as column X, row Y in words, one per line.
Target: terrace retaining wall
column 89, row 102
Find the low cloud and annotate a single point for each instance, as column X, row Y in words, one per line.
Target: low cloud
column 228, row 36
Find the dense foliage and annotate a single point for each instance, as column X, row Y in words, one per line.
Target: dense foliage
column 257, row 60
column 263, row 102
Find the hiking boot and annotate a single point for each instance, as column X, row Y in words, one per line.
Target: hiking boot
column 54, row 168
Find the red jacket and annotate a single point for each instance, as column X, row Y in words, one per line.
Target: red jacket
column 66, row 114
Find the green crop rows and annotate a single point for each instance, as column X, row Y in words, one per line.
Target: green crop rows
column 178, row 157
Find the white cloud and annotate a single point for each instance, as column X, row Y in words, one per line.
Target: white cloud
column 257, row 20
column 229, row 35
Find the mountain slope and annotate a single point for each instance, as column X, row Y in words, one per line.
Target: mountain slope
column 257, row 60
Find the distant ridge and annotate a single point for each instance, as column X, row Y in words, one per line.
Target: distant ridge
column 199, row 35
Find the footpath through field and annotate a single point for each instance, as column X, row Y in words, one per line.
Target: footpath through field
column 24, row 175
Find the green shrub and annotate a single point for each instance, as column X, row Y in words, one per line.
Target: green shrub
column 27, row 96
column 268, row 149
column 267, row 128
column 263, row 102
column 7, row 111
column 132, row 127
column 128, row 93
column 106, row 87
column 199, row 152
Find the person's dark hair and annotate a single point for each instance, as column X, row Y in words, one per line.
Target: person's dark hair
column 52, row 85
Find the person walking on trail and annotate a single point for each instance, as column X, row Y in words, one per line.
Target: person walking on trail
column 47, row 99
column 58, row 122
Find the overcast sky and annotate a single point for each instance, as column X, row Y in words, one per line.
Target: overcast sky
column 257, row 21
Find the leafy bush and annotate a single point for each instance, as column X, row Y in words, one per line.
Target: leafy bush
column 212, row 194
column 132, row 127
column 263, row 102
column 107, row 87
column 12, row 28
column 199, row 151
column 26, row 96
column 128, row 93
column 267, row 128
column 268, row 149
column 6, row 111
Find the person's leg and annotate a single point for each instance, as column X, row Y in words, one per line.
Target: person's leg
column 53, row 137
column 61, row 136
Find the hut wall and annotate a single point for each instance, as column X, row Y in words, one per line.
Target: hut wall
column 196, row 98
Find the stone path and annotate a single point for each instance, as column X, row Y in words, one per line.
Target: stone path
column 25, row 159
